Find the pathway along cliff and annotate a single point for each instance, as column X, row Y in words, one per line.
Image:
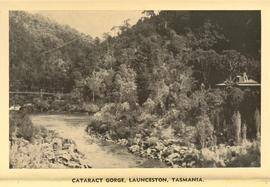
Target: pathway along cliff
column 99, row 154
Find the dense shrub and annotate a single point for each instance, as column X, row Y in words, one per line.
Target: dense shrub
column 122, row 131
column 93, row 125
column 21, row 126
column 244, row 155
column 56, row 105
column 186, row 134
column 171, row 116
column 149, row 105
column 42, row 105
column 249, row 156
column 205, row 132
column 90, row 108
column 235, row 98
column 215, row 98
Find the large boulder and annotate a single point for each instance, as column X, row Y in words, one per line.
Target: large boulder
column 134, row 148
column 57, row 144
column 152, row 141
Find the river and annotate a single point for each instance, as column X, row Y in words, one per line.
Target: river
column 98, row 153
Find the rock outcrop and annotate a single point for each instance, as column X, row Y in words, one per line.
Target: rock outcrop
column 51, row 151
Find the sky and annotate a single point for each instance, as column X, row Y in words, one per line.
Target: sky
column 94, row 23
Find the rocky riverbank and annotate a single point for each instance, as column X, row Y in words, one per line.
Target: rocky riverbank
column 173, row 154
column 46, row 150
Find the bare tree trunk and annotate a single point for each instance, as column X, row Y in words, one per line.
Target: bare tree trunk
column 236, row 119
column 257, row 119
column 244, row 133
column 93, row 96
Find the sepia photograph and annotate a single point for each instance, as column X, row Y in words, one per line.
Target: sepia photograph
column 134, row 89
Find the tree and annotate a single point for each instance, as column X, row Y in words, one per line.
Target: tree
column 235, row 98
column 94, row 83
column 125, row 82
column 205, row 132
column 149, row 13
column 234, row 63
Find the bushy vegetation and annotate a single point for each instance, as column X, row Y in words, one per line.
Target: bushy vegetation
column 153, row 86
column 20, row 126
column 245, row 155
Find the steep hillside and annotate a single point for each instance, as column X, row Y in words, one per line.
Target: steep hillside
column 44, row 54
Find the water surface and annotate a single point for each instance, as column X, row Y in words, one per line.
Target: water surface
column 98, row 154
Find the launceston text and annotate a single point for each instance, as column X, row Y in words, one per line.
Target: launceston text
column 148, row 179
